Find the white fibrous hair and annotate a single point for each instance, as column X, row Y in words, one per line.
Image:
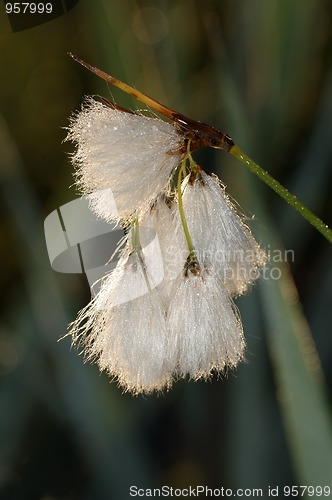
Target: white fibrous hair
column 122, row 155
column 164, row 221
column 220, row 234
column 123, row 329
column 204, row 328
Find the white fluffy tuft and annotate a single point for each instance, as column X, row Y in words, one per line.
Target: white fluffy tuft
column 219, row 234
column 204, row 327
column 123, row 329
column 133, row 155
column 164, row 220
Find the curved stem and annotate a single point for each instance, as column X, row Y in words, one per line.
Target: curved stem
column 283, row 192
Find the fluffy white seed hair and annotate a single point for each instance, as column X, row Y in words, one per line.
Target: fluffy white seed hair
column 164, row 220
column 123, row 329
column 132, row 155
column 220, row 235
column 204, row 327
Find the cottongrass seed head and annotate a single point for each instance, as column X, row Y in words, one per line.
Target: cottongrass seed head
column 123, row 329
column 204, row 327
column 220, row 234
column 166, row 310
column 132, row 155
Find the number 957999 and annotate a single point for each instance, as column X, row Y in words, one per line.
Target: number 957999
column 28, row 8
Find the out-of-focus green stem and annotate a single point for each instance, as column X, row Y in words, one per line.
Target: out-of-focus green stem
column 283, row 192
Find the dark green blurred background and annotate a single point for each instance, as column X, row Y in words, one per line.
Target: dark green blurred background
column 260, row 71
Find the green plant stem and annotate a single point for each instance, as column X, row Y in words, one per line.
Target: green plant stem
column 181, row 175
column 135, row 237
column 283, row 192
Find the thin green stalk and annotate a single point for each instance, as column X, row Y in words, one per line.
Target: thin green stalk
column 283, row 192
column 181, row 175
column 135, row 237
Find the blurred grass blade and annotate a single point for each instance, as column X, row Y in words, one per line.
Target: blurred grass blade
column 300, row 382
